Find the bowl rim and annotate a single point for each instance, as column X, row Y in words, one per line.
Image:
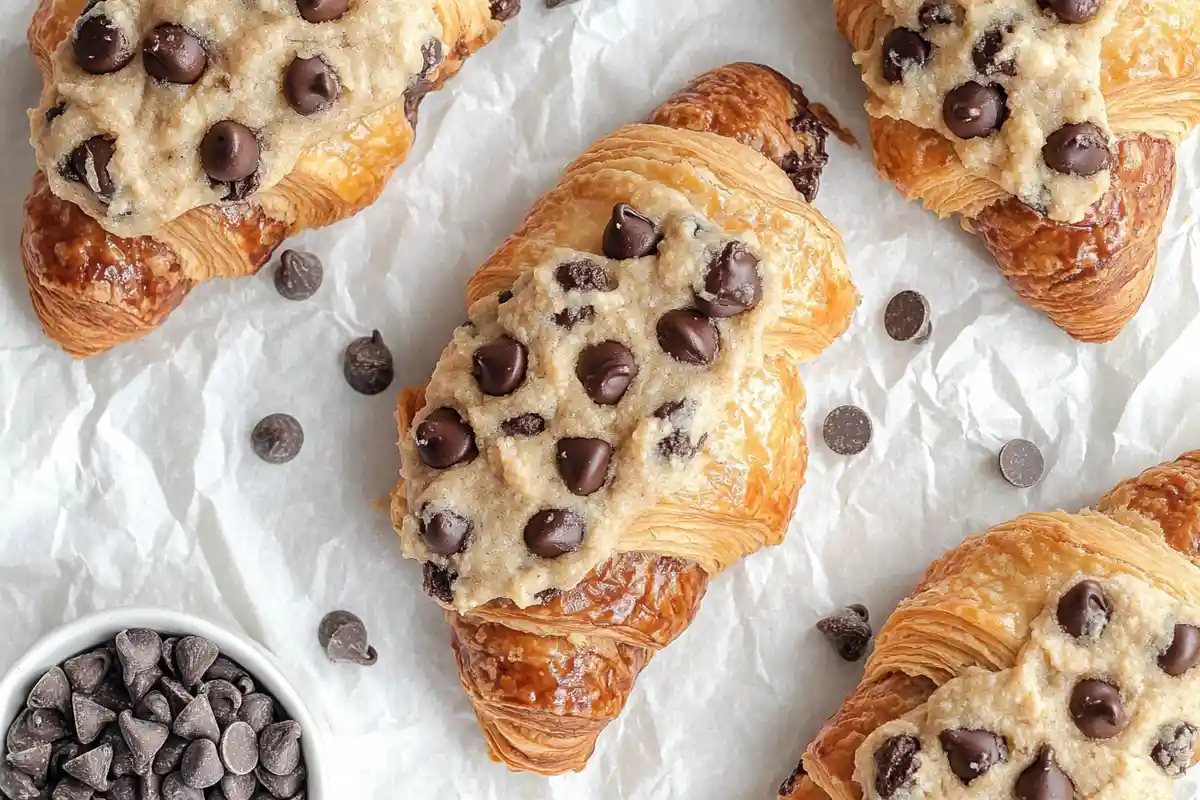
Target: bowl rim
column 62, row 642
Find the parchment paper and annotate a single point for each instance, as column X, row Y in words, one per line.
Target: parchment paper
column 129, row 478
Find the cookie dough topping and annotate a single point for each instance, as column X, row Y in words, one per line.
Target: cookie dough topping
column 578, row 399
column 1102, row 702
column 161, row 106
column 1013, row 84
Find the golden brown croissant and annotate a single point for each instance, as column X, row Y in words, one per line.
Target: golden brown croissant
column 1088, row 275
column 546, row 678
column 93, row 289
column 1083, row 593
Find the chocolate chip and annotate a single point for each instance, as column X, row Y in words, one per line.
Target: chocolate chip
column 277, row 438
column 524, row 426
column 194, row 655
column 848, row 632
column 606, row 370
column 317, row 11
column 257, row 711
column 154, row 707
column 438, row 582
column 33, row 761
column 113, row 694
column 52, row 690
column 1077, row 149
column 239, row 787
column 988, row 48
column 90, row 718
column 138, row 650
column 91, row 768
column 732, row 284
column 71, row 789
column 281, row 785
column 174, row 54
column 906, row 318
column 1021, row 463
column 504, row 297
column 972, row 752
column 1084, row 610
column 176, row 695
column 55, row 111
column 629, row 234
column 504, row 10
column 547, row 595
column 554, row 532
column 169, row 755
column 573, row 315
column 939, row 12
column 861, row 610
column 279, row 747
column 1097, row 709
column 240, row 190
column 239, row 748
column 201, row 766
column 225, row 700
column 1174, row 748
column 902, row 48
column 445, row 532
column 444, row 439
column 584, row 276
column 1044, row 779
column 973, row 110
column 123, row 788
column 229, row 152
column 343, row 637
column 196, row 721
column 1072, row 12
column 499, row 366
column 225, row 670
column 310, row 86
column 792, row 782
column 896, row 764
column 432, row 56
column 100, row 47
column 847, row 430
column 89, row 165
column 367, row 365
column 144, row 739
column 16, row 785
column 142, row 681
column 60, row 753
column 677, row 412
column 1184, row 651
column 175, row 788
column 559, row 3
column 688, row 336
column 86, row 672
column 679, row 445
column 583, row 464
column 34, row 726
column 298, row 275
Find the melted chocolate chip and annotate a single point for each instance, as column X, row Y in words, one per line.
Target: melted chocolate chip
column 571, row 316
column 444, row 439
column 174, row 54
column 100, row 47
column 310, row 86
column 629, row 234
column 554, row 532
column 524, row 426
column 55, row 111
column 229, row 152
column 988, row 48
column 688, row 336
column 606, row 370
column 1184, row 651
column 902, row 48
column 1077, row 149
column 504, row 297
column 896, row 764
column 445, row 532
column 89, row 161
column 732, row 284
column 792, row 782
column 583, row 464
column 971, row 752
column 1174, row 748
column 584, row 276
column 438, row 582
column 805, row 171
column 671, row 411
column 939, row 12
column 499, row 366
column 504, row 10
column 679, row 445
column 1097, row 709
column 432, row 56
column 973, row 110
column 1084, row 610
column 1072, row 12
column 317, row 11
column 1044, row 779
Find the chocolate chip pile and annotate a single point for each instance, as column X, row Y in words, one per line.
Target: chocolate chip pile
column 147, row 717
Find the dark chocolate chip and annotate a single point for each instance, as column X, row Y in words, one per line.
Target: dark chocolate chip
column 194, row 656
column 174, row 54
column 298, row 275
column 175, row 788
column 91, row 768
column 257, row 711
column 178, row 696
column 52, row 690
column 1174, row 748
column 1021, row 463
column 688, row 336
column 525, row 425
column 142, row 682
column 679, row 445
column 972, row 752
column 367, row 365
column 504, row 297
column 197, row 721
column 55, row 111
column 988, row 48
column 732, row 284
column 1044, row 779
column 281, row 785
column 34, row 726
column 896, row 764
column 847, row 430
column 584, row 276
column 675, row 411
column 89, row 165
column 606, row 370
column 239, row 787
column 1077, row 149
column 629, row 234
column 432, row 56
column 554, row 532
column 225, row 700
column 906, row 318
column 239, row 748
column 444, row 439
column 229, row 152
column 861, row 610
column 805, row 170
column 939, row 12
column 279, row 747
column 240, row 190
column 902, row 48
column 445, row 532
column 16, row 785
column 792, row 782
column 86, row 672
column 1072, row 12
column 499, row 366
column 138, row 649
column 1184, row 651
column 1084, row 610
column 71, row 789
column 144, row 739
column 1097, row 709
column 154, row 707
column 583, row 464
column 90, row 718
column 547, row 595
column 33, row 761
column 310, row 86
column 504, row 10
column 60, row 753
column 277, row 438
column 973, row 110
column 124, row 788
column 559, row 3
column 201, row 766
column 317, row 11
column 438, row 582
column 848, row 632
column 100, row 46
column 573, row 315
column 343, row 637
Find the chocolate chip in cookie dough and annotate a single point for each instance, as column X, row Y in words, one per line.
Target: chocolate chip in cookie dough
column 367, row 365
column 1084, row 610
column 902, row 48
column 583, row 464
column 277, row 438
column 679, row 445
column 971, row 753
column 310, row 85
column 1077, row 149
column 445, row 532
column 438, row 582
column 973, row 110
column 1174, row 748
column 504, row 297
column 939, row 12
column 896, row 764
column 89, row 165
column 606, row 370
column 848, row 631
column 554, row 532
column 629, row 234
column 55, row 111
column 100, row 47
column 317, row 11
column 1097, row 709
column 732, row 284
column 571, row 316
column 229, row 152
column 688, row 336
column 1072, row 12
column 174, row 54
column 444, row 439
column 298, row 275
column 1184, row 651
column 847, row 430
column 988, row 49
column 499, row 366
column 1044, row 779
column 1021, row 463
column 524, row 426
column 343, row 637
column 584, row 276
column 504, row 10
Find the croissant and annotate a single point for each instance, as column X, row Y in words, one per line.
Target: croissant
column 100, row 271
column 1073, row 635
column 669, row 362
column 1072, row 224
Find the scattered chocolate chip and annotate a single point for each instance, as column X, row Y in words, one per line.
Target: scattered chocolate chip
column 279, row 747
column 197, row 721
column 445, row 532
column 229, row 152
column 1044, row 779
column 438, row 582
column 1184, row 651
column 1072, row 12
column 973, row 110
column 239, row 787
column 732, row 284
column 174, row 54
column 679, row 445
column 280, row 785
column 34, row 761
column 1097, row 709
column 1021, row 463
column 343, row 637
column 902, row 48
column 194, row 655
column 444, row 439
column 606, row 370
column 317, row 11
column 154, row 707
column 89, row 165
column 16, row 785
column 257, row 711
column 939, row 12
column 573, row 315
column 524, row 426
column 298, row 275
column 239, row 748
column 367, row 365
column 225, row 700
column 848, row 632
column 100, row 47
column 504, row 10
column 175, row 788
column 1174, row 748
column 86, row 672
column 499, row 366
column 896, row 764
column 91, row 768
column 972, row 752
column 169, row 755
column 277, row 439
column 584, row 276
column 988, row 48
column 906, row 318
column 1084, row 610
column 90, row 718
column 1077, row 149
column 504, row 297
column 52, row 690
column 688, row 336
column 583, row 464
column 847, row 430
column 310, row 86
column 55, row 111
column 629, row 234
column 554, row 532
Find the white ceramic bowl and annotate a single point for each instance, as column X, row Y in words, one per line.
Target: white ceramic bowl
column 94, row 629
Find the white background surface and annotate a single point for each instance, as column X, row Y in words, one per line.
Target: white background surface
column 129, row 478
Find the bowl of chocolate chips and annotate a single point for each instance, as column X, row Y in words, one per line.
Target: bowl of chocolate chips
column 147, row 704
